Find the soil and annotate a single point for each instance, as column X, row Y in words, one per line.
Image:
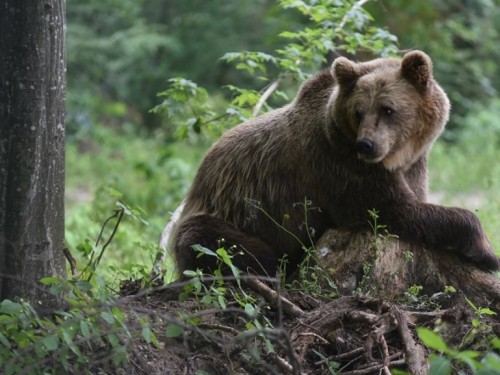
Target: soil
column 293, row 332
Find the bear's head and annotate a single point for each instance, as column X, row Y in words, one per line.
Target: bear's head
column 392, row 109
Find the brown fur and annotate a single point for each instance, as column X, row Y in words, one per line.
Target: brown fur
column 307, row 150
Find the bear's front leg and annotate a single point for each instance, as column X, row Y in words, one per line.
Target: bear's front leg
column 459, row 229
column 406, row 216
column 439, row 227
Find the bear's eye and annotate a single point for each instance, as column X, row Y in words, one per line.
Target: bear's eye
column 359, row 116
column 386, row 111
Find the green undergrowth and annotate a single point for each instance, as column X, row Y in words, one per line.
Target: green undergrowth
column 109, row 168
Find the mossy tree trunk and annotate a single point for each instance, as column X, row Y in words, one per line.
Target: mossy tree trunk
column 32, row 132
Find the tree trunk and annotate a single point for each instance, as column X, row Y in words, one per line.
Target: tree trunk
column 388, row 267
column 32, row 116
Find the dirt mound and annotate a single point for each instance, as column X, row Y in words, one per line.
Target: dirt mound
column 258, row 329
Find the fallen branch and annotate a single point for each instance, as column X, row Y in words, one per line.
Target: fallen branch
column 273, row 298
column 414, row 353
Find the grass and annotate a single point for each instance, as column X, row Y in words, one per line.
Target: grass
column 470, row 178
column 150, row 176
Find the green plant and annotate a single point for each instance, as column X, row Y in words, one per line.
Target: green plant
column 479, row 363
column 68, row 341
column 377, row 228
column 331, row 365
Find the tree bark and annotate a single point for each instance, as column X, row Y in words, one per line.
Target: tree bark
column 32, row 116
column 388, row 267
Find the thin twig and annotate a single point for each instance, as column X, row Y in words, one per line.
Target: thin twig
column 219, row 327
column 118, row 213
column 316, row 336
column 374, row 368
column 269, row 91
column 99, row 239
column 72, row 263
column 283, row 365
column 345, row 355
column 111, row 237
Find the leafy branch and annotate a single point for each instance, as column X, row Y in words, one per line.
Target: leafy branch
column 334, row 26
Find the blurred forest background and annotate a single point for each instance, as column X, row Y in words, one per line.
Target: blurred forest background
column 121, row 54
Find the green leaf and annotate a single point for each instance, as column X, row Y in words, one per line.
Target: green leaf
column 487, row 311
column 57, row 288
column 114, row 340
column 9, row 307
column 85, row 247
column 114, row 193
column 431, row 339
column 197, row 126
column 51, row 342
column 183, row 296
column 83, row 285
column 146, row 333
column 236, row 272
column 492, row 360
column 250, row 310
column 10, row 370
column 108, row 317
column 207, row 299
column 126, row 210
column 468, row 356
column 50, row 280
column 173, row 330
column 4, row 341
column 496, row 343
column 222, row 302
column 84, row 328
column 440, row 366
column 203, row 250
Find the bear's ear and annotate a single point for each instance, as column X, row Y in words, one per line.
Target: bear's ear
column 416, row 67
column 344, row 71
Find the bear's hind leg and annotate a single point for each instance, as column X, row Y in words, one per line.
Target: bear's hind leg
column 251, row 254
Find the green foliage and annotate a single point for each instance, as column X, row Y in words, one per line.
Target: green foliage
column 68, row 341
column 331, row 365
column 413, row 297
column 333, row 26
column 112, row 167
column 187, row 105
column 480, row 364
column 449, row 359
column 123, row 55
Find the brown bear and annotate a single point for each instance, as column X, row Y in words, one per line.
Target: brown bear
column 355, row 138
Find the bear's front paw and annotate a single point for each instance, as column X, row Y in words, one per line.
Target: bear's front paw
column 483, row 254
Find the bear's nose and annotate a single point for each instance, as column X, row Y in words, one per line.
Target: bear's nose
column 364, row 146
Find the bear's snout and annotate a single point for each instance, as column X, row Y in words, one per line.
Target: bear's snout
column 364, row 146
